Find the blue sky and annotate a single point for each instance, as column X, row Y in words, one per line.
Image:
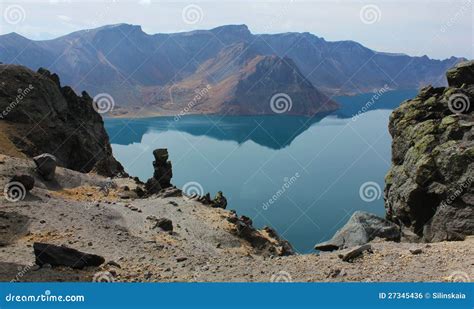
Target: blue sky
column 439, row 29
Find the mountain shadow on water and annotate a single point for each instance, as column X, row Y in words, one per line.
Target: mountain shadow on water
column 274, row 131
column 356, row 105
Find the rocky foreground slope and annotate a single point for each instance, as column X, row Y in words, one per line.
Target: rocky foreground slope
column 126, row 230
column 202, row 246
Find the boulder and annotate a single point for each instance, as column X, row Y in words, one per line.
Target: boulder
column 162, row 223
column 46, row 165
column 354, row 252
column 26, row 180
column 462, row 73
column 219, row 201
column 64, row 256
column 152, row 186
column 361, row 228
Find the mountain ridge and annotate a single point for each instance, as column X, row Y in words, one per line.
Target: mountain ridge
column 138, row 68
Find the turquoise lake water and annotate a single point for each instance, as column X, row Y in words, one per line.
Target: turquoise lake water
column 302, row 176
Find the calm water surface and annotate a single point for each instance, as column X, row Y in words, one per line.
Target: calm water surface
column 311, row 169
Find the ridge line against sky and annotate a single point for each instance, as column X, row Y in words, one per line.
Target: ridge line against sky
column 439, row 29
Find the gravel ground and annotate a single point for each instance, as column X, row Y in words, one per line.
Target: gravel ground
column 73, row 212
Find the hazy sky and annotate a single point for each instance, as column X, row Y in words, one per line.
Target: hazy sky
column 439, row 29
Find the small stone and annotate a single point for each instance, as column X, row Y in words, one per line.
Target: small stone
column 181, row 259
column 415, row 251
column 42, row 221
column 89, row 244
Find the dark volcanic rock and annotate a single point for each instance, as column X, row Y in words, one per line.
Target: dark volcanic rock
column 429, row 188
column 163, row 172
column 219, row 201
column 46, row 165
column 264, row 241
column 361, row 228
column 462, row 73
column 162, row 223
column 63, row 256
column 48, row 118
column 26, row 180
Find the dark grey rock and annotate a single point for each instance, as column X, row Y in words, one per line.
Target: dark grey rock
column 355, row 252
column 64, row 256
column 26, row 180
column 429, row 188
column 361, row 228
column 46, row 165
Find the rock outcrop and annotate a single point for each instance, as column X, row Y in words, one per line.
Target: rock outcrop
column 265, row 241
column 361, row 228
column 429, row 190
column 163, row 172
column 44, row 117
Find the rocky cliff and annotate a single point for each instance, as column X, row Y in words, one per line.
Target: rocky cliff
column 39, row 116
column 429, row 190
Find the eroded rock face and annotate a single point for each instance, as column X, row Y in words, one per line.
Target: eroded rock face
column 47, row 118
column 361, row 228
column 429, row 186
